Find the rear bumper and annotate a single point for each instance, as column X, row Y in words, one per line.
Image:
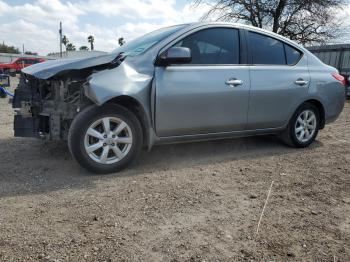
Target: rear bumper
column 335, row 107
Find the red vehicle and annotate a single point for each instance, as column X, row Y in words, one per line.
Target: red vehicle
column 17, row 65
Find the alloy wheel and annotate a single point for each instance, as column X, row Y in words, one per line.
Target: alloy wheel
column 108, row 140
column 305, row 126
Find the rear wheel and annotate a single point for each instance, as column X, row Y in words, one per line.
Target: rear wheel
column 303, row 127
column 105, row 139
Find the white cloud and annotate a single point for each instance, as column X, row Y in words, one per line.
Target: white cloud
column 36, row 24
column 31, row 34
column 138, row 9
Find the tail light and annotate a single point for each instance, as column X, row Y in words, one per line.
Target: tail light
column 340, row 78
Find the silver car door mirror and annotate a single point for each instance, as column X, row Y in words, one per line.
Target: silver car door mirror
column 178, row 55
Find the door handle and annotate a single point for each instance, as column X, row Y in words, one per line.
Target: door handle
column 234, row 82
column 301, row 82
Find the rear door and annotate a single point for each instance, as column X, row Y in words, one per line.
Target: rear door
column 208, row 95
column 279, row 81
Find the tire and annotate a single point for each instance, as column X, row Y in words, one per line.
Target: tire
column 122, row 148
column 292, row 136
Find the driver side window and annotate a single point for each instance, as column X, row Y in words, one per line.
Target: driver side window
column 214, row 46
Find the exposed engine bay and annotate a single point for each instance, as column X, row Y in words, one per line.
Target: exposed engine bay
column 45, row 108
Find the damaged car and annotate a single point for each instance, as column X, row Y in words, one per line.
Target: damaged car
column 182, row 83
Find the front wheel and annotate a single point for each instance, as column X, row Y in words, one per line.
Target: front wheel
column 303, row 128
column 105, row 139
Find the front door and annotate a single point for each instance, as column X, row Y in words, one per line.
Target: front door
column 208, row 95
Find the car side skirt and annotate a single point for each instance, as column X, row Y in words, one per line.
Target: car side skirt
column 216, row 136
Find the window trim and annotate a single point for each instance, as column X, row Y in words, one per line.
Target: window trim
column 250, row 55
column 241, row 46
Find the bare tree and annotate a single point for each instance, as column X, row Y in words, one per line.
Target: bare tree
column 305, row 21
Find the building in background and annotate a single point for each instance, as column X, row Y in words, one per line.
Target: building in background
column 337, row 56
column 76, row 54
column 8, row 58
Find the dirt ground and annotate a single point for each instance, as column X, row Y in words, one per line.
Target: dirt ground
column 189, row 202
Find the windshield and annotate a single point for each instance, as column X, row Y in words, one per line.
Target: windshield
column 143, row 43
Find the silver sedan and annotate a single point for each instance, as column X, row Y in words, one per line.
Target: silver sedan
column 181, row 83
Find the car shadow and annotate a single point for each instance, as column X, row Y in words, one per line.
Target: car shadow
column 31, row 166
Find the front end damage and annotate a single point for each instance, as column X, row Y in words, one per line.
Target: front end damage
column 45, row 108
column 51, row 94
column 48, row 98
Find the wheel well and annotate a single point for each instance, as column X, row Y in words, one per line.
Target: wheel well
column 136, row 108
column 320, row 108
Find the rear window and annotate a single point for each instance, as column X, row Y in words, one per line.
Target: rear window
column 266, row 50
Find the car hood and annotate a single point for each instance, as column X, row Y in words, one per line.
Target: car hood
column 51, row 68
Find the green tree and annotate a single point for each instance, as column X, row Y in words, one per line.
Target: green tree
column 84, row 48
column 91, row 40
column 8, row 49
column 30, row 53
column 65, row 41
column 121, row 41
column 70, row 47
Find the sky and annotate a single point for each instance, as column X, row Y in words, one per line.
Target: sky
column 35, row 23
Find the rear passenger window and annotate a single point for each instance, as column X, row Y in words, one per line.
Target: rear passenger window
column 266, row 50
column 213, row 46
column 292, row 55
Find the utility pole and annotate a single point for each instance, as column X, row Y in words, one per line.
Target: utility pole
column 23, row 48
column 60, row 32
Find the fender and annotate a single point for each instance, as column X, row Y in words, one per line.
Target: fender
column 123, row 81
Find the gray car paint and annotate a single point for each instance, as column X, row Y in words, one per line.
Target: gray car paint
column 51, row 68
column 274, row 96
column 184, row 107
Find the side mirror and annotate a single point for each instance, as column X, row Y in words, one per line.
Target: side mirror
column 177, row 55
